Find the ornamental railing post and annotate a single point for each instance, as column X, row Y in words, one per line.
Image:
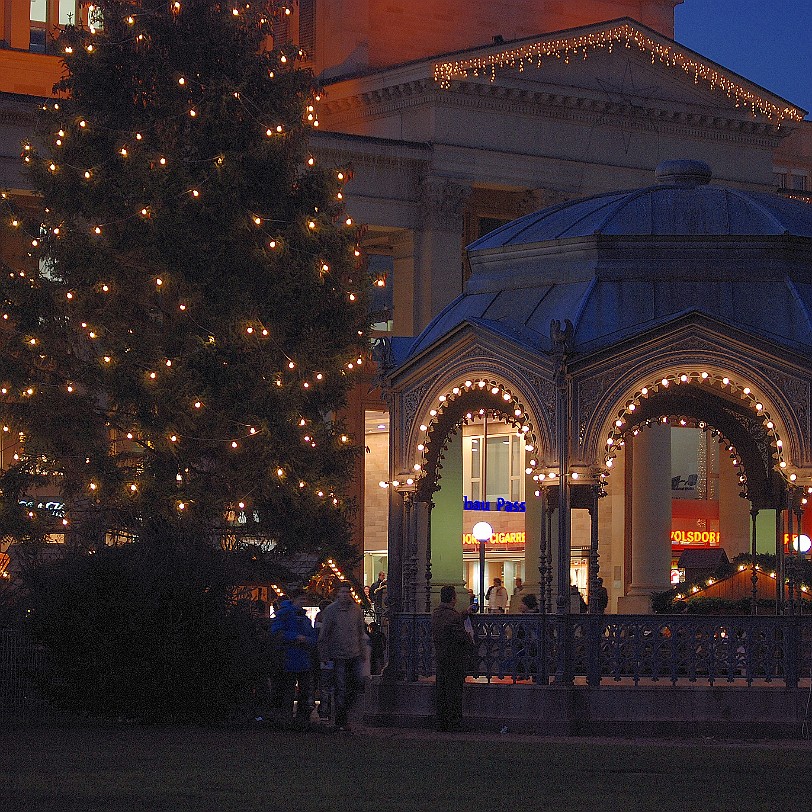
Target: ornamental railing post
column 792, row 651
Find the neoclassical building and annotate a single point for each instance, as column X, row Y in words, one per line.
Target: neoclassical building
column 454, row 119
column 625, row 377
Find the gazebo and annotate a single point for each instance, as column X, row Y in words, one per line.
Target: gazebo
column 609, row 335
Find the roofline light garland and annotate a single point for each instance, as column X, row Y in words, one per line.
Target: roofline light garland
column 533, row 54
column 745, row 392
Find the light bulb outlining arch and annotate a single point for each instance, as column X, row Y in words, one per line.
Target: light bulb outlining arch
column 625, row 422
column 460, row 404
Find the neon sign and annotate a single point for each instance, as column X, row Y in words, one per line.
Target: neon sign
column 501, row 504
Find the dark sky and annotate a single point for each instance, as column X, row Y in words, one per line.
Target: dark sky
column 767, row 41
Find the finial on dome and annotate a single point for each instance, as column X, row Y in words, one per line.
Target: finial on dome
column 683, row 172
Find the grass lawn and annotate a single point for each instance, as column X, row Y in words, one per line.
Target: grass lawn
column 177, row 768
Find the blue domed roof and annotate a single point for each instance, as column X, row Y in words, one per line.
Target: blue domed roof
column 681, row 203
column 621, row 263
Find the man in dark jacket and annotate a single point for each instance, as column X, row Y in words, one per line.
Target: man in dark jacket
column 452, row 645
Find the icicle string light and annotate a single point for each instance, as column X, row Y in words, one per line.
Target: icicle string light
column 625, row 35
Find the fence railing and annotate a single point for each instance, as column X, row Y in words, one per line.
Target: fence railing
column 601, row 648
column 22, row 662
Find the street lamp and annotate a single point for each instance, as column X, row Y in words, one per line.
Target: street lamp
column 482, row 532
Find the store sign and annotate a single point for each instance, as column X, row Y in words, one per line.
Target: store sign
column 500, row 504
column 53, row 507
column 708, row 537
column 512, row 539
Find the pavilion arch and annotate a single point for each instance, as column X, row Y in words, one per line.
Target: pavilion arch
column 745, row 408
column 453, row 406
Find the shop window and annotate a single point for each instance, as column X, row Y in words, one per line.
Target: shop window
column 376, row 499
column 780, row 179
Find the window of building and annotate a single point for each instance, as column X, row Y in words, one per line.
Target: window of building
column 46, row 15
column 381, row 268
column 780, row 179
column 496, row 460
column 799, row 182
column 376, row 498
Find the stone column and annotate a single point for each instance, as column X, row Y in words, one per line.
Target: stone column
column 734, row 512
column 438, row 248
column 651, row 519
column 446, row 522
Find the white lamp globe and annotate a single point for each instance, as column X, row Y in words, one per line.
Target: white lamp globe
column 800, row 544
column 482, row 531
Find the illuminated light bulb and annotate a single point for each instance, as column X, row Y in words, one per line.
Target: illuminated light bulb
column 494, row 390
column 168, row 362
column 252, row 430
column 311, row 224
column 631, row 407
column 421, row 447
column 107, row 359
column 423, row 427
column 725, row 381
column 249, row 330
column 704, row 376
column 310, row 161
column 348, row 221
column 70, row 388
column 144, row 212
column 129, row 435
column 319, row 376
column 195, row 193
column 279, row 128
column 124, row 152
column 97, row 230
column 193, row 112
column 793, row 477
column 280, row 472
column 87, row 174
column 782, row 464
column 198, row 404
column 173, row 438
column 133, row 488
column 340, row 176
column 272, row 244
column 93, row 486
column 746, row 390
column 182, row 307
column 89, row 48
column 301, row 484
column 162, row 161
column 181, row 506
column 234, row 444
column 770, row 424
column 433, row 412
column 68, row 50
column 152, row 376
column 352, row 297
column 664, row 382
column 779, row 443
column 442, row 398
column 291, row 365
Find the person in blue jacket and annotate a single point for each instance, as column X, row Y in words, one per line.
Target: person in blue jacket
column 292, row 629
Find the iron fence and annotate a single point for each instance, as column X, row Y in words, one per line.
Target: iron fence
column 632, row 648
column 22, row 663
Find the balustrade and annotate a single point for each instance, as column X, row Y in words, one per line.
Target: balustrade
column 628, row 648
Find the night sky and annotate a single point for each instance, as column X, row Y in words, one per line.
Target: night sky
column 766, row 41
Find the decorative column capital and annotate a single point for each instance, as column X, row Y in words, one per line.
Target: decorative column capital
column 442, row 203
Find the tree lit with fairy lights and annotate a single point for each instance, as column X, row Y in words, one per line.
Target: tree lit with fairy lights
column 188, row 321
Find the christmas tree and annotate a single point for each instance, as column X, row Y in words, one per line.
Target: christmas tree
column 186, row 330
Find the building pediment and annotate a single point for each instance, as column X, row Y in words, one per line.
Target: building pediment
column 619, row 68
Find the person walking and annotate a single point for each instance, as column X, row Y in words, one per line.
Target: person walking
column 292, row 628
column 601, row 597
column 377, row 594
column 452, row 645
column 516, row 598
column 343, row 641
column 497, row 597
